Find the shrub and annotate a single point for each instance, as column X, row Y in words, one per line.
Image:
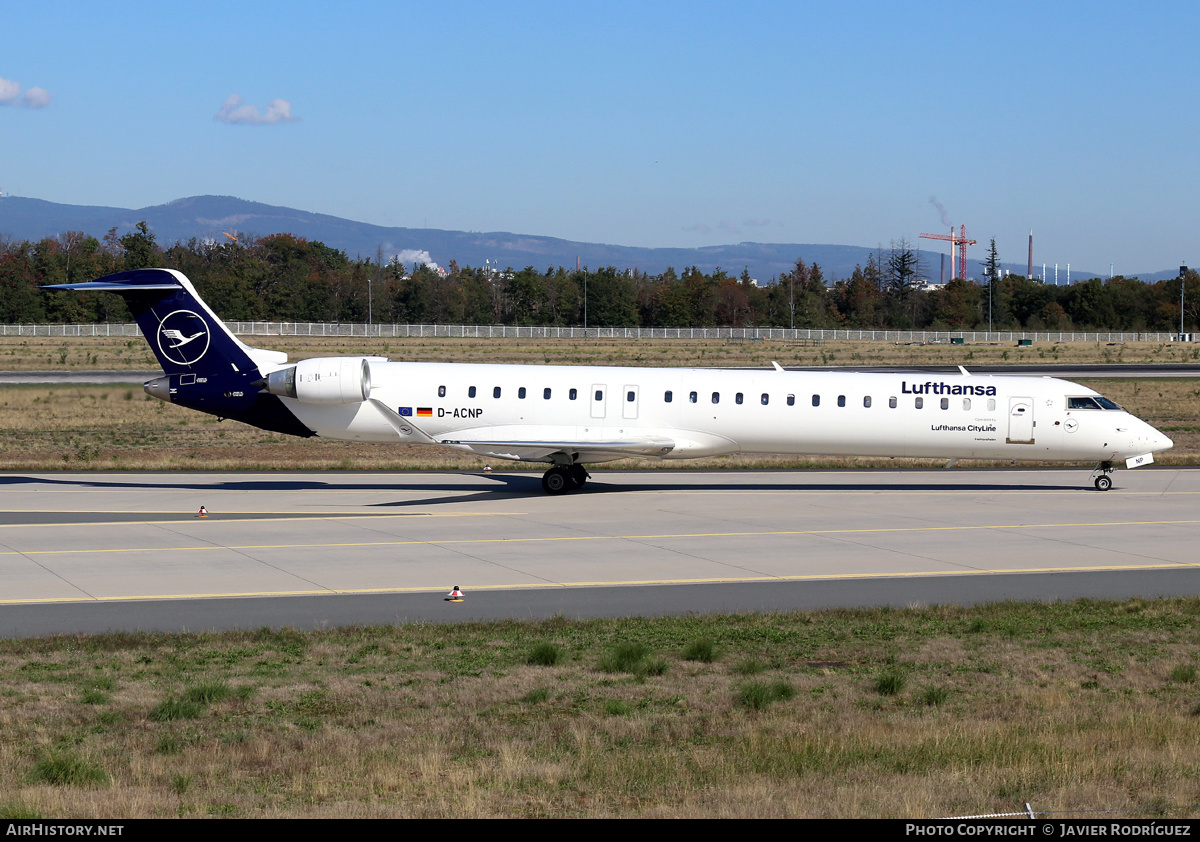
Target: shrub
column 891, row 683
column 633, row 658
column 702, row 649
column 67, row 769
column 756, row 695
column 208, row 692
column 933, row 696
column 1183, row 674
column 544, row 655
column 174, row 708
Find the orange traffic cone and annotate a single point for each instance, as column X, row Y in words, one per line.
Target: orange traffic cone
column 202, row 513
column 455, row 595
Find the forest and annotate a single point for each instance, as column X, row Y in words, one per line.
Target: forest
column 282, row 277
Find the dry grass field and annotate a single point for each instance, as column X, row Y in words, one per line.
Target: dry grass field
column 103, row 353
column 920, row 712
column 120, row 428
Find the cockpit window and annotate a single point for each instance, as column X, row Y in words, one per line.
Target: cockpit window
column 1092, row 402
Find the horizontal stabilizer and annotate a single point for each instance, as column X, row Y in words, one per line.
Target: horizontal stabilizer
column 108, row 286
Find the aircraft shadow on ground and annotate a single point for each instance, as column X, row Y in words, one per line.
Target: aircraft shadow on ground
column 500, row 486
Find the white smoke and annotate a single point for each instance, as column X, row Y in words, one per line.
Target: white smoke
column 234, row 111
column 414, row 256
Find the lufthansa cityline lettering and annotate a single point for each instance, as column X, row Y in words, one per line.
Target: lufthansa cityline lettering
column 970, row 428
column 932, row 388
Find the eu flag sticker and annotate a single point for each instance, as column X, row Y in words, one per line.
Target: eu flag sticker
column 406, row 412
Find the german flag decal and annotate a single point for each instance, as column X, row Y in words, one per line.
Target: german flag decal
column 424, row 412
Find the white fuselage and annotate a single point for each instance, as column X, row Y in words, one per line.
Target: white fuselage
column 707, row 412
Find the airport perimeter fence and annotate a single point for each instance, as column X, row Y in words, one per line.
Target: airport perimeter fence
column 744, row 334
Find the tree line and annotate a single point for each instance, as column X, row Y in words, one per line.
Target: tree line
column 286, row 278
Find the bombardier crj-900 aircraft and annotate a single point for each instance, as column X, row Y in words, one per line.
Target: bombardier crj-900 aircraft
column 571, row 415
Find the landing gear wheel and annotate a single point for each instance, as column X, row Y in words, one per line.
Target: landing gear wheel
column 579, row 475
column 1103, row 482
column 556, row 481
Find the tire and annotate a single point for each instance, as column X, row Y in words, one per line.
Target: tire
column 1103, row 483
column 578, row 475
column 556, row 481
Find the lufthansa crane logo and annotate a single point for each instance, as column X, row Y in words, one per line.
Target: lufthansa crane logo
column 183, row 337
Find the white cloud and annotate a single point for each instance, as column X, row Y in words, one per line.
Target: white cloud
column 235, row 111
column 10, row 94
column 36, row 97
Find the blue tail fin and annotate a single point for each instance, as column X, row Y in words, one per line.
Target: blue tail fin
column 207, row 367
column 183, row 333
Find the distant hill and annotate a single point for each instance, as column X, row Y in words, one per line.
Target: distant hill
column 206, row 217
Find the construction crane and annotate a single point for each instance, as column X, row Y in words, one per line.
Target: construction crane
column 959, row 240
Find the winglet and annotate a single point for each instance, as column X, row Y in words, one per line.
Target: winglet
column 778, row 367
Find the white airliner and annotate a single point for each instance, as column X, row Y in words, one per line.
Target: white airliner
column 567, row 416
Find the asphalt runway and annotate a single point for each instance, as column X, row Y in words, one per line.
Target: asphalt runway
column 88, row 553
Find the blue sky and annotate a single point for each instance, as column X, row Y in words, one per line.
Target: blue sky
column 648, row 124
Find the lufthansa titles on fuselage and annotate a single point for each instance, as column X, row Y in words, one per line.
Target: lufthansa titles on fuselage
column 930, row 387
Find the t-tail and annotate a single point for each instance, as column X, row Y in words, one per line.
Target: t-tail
column 205, row 366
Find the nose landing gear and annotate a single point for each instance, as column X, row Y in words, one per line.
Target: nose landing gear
column 1102, row 476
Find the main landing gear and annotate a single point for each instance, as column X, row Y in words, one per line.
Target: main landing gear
column 563, row 478
column 1103, row 476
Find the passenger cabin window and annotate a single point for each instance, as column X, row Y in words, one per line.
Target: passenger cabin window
column 791, row 400
column 692, row 397
column 766, row 399
column 496, row 392
column 991, row 404
column 867, row 401
column 573, row 394
column 841, row 400
column 667, row 396
column 737, row 398
column 471, row 392
column 441, row 391
column 521, row 393
column 716, row 398
column 920, row 403
column 945, row 403
column 599, row 394
column 546, row 393
column 631, row 396
column 966, row 403
column 816, row 400
column 892, row 402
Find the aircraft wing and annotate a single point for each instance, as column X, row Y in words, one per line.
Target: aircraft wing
column 527, row 450
column 581, row 451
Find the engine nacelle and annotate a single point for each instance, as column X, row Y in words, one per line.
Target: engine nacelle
column 323, row 380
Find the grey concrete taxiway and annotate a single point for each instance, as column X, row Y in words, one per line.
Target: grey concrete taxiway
column 101, row 552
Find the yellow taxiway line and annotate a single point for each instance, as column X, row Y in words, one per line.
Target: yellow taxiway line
column 566, row 538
